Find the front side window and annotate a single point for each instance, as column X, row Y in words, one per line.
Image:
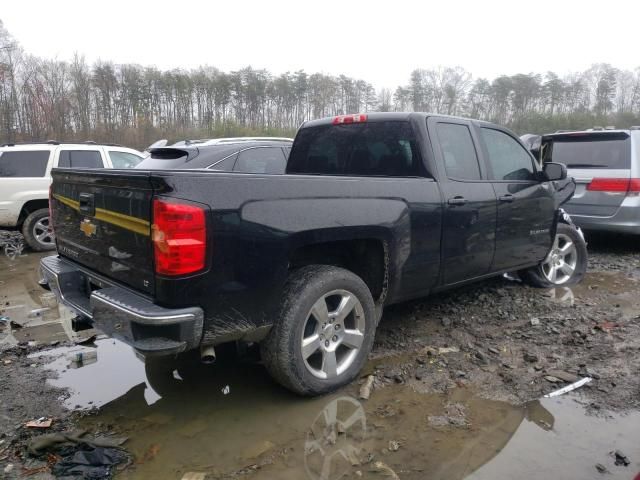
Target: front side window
column 386, row 148
column 24, row 163
column 261, row 160
column 508, row 159
column 80, row 159
column 124, row 159
column 460, row 159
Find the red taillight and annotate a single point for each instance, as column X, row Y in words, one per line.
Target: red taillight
column 179, row 235
column 615, row 185
column 344, row 119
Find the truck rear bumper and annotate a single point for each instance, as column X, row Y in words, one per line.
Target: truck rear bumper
column 120, row 313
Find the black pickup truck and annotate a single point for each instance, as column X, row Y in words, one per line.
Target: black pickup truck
column 373, row 209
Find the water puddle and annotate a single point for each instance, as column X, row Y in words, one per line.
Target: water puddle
column 230, row 420
column 28, row 312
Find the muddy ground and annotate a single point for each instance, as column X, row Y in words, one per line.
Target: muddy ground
column 458, row 383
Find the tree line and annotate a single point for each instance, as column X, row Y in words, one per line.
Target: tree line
column 135, row 105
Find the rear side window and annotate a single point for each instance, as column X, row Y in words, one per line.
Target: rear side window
column 24, row 163
column 593, row 151
column 460, row 159
column 261, row 160
column 80, row 159
column 124, row 159
column 508, row 159
column 363, row 149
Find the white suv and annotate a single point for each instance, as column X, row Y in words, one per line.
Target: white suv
column 25, row 177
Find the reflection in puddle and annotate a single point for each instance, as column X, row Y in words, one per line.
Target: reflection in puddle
column 30, row 313
column 561, row 295
column 334, row 442
column 104, row 376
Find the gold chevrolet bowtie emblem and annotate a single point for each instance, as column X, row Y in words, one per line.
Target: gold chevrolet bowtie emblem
column 88, row 228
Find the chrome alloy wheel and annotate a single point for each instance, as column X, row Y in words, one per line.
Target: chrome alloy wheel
column 561, row 262
column 42, row 232
column 333, row 334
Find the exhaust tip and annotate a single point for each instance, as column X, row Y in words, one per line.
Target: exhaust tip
column 207, row 355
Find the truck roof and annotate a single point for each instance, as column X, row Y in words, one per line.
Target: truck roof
column 388, row 116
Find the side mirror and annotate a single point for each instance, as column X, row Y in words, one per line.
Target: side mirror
column 555, row 171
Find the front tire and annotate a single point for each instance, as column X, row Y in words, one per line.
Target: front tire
column 566, row 263
column 37, row 231
column 324, row 330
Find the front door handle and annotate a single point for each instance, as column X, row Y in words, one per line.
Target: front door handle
column 507, row 198
column 458, row 200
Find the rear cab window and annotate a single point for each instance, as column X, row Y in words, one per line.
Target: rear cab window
column 386, row 148
column 23, row 164
column 80, row 159
column 593, row 150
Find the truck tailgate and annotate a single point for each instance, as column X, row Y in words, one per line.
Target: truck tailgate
column 102, row 219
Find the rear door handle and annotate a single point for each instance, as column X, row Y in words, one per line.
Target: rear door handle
column 457, row 200
column 507, row 198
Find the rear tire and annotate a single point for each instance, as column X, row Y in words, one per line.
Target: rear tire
column 565, row 265
column 323, row 332
column 37, row 232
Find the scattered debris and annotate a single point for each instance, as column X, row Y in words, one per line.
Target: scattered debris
column 455, row 416
column 150, row 454
column 602, row 469
column 621, row 459
column 194, row 476
column 258, row 449
column 85, row 339
column 53, row 441
column 8, row 469
column 552, row 379
column 443, row 350
column 42, row 422
column 77, row 455
column 383, row 468
column 85, row 461
column 393, row 445
column 535, row 321
column 568, row 388
column 562, row 375
column 365, row 389
column 83, row 356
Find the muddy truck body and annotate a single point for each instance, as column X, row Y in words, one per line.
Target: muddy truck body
column 373, row 210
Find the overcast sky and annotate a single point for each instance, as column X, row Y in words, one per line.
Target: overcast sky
column 380, row 42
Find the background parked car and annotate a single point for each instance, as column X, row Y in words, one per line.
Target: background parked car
column 605, row 164
column 245, row 154
column 25, row 178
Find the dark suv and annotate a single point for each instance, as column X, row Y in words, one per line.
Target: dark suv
column 246, row 154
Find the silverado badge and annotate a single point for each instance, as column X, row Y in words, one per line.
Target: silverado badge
column 88, row 228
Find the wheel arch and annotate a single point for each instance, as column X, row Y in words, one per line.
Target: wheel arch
column 31, row 206
column 367, row 257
